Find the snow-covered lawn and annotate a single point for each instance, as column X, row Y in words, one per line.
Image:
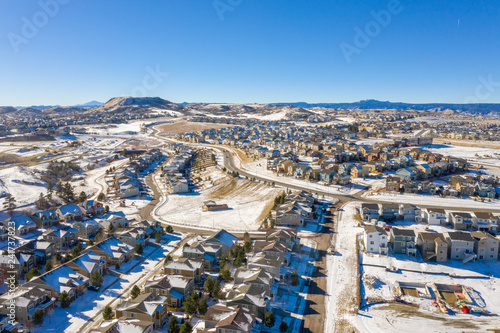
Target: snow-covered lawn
column 486, row 156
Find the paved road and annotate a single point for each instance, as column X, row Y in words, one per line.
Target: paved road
column 314, row 316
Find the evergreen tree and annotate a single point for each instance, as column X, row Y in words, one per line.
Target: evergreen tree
column 173, row 325
column 186, row 327
column 33, row 272
column 157, row 237
column 38, row 317
column 216, row 289
column 226, row 275
column 101, row 196
column 138, row 249
column 203, row 307
column 9, row 204
column 96, row 279
column 135, row 292
column 107, row 314
column 209, row 284
column 189, row 306
column 65, row 300
column 295, row 279
column 269, row 319
column 82, row 197
column 48, row 266
column 283, row 327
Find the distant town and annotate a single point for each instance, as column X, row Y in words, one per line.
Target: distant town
column 142, row 215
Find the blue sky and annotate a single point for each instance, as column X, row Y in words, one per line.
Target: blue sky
column 249, row 51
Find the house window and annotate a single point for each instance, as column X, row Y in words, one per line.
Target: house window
column 372, row 242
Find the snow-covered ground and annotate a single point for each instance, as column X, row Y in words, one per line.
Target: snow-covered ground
column 246, row 201
column 379, row 284
column 342, row 274
column 433, row 200
column 485, row 156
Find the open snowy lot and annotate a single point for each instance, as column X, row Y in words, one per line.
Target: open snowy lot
column 485, row 156
column 248, row 204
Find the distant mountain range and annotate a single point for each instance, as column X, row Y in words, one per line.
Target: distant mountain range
column 155, row 104
column 93, row 104
column 479, row 109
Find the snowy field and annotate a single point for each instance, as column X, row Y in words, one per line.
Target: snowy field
column 434, row 200
column 485, row 156
column 84, row 308
column 248, row 204
column 342, row 275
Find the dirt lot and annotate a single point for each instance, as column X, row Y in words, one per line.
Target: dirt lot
column 186, row 126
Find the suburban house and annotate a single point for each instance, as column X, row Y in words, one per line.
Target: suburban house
column 229, row 319
column 46, row 218
column 222, row 238
column 249, row 297
column 484, row 221
column 93, row 207
column 114, row 250
column 461, row 220
column 256, row 277
column 175, row 287
column 409, row 212
column 485, row 245
column 370, row 211
column 148, row 307
column 435, row 216
column 86, row 228
column 87, row 264
column 60, row 279
column 460, row 244
column 375, row 239
column 389, row 211
column 63, row 238
column 432, row 246
column 27, row 300
column 185, row 267
column 69, row 213
column 22, row 224
column 403, row 241
column 124, row 325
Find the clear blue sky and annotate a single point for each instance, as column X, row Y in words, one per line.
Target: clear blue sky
column 261, row 51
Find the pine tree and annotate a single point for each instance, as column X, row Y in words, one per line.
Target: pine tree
column 65, row 300
column 138, row 249
column 173, row 325
column 157, row 237
column 9, row 204
column 203, row 307
column 135, row 292
column 209, row 284
column 283, row 327
column 186, row 327
column 96, row 279
column 48, row 266
column 269, row 319
column 107, row 314
column 38, row 317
